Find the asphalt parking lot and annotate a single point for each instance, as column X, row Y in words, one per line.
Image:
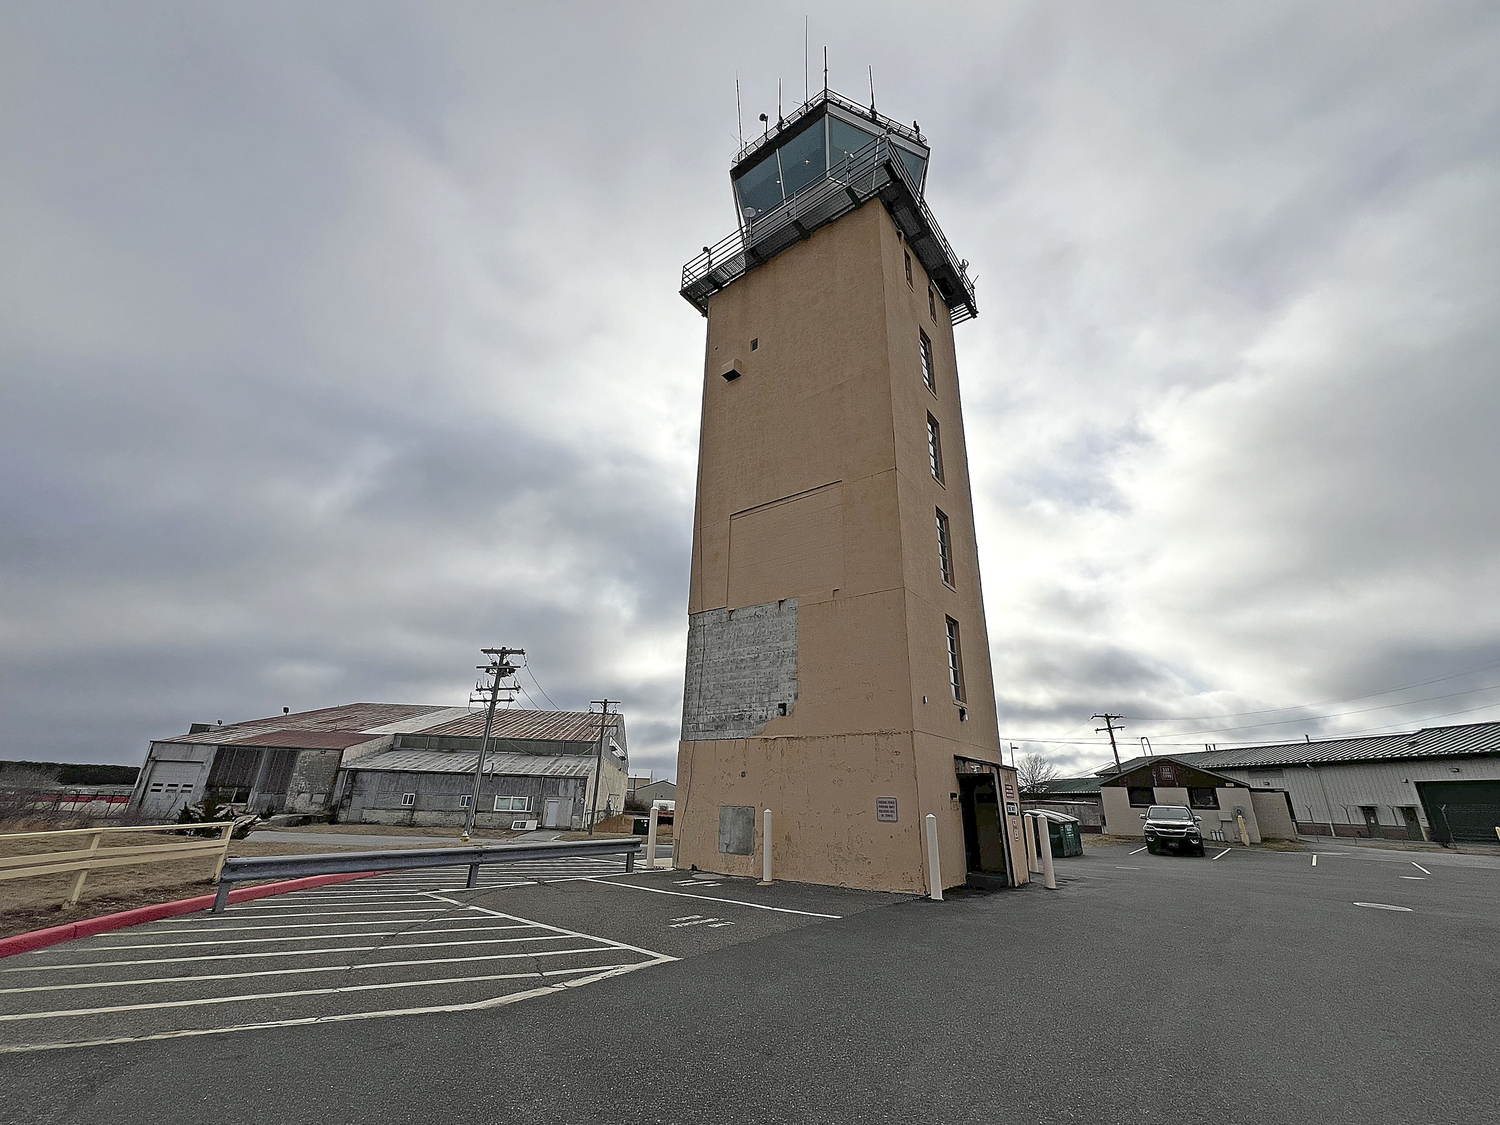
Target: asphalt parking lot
column 1258, row 987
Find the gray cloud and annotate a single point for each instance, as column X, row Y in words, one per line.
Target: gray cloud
column 339, row 342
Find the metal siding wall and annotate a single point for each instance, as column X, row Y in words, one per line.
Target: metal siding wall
column 1382, row 784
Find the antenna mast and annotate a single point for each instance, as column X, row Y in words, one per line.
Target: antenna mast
column 739, row 114
column 872, row 93
column 825, row 70
column 806, row 92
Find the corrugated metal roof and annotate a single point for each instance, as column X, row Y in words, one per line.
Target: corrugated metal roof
column 349, row 717
column 372, row 719
column 457, row 761
column 1068, row 785
column 1429, row 742
column 308, row 739
column 563, row 726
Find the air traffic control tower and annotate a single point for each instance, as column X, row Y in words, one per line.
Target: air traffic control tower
column 838, row 668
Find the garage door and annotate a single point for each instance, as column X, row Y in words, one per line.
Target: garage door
column 169, row 787
column 1465, row 812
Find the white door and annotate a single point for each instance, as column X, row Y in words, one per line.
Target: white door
column 552, row 817
column 169, row 787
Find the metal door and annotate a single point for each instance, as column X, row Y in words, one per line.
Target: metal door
column 169, row 787
column 1413, row 825
column 1372, row 819
column 552, row 814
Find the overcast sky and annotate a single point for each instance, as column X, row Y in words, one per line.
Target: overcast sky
column 341, row 340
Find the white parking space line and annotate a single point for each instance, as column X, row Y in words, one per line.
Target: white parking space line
column 1420, row 868
column 232, row 913
column 179, row 930
column 342, row 1017
column 1418, row 878
column 288, row 953
column 305, row 937
column 1315, row 859
column 1385, row 906
column 1222, row 854
column 203, row 1000
column 710, row 898
column 298, row 971
column 357, row 939
column 558, row 929
column 1137, row 851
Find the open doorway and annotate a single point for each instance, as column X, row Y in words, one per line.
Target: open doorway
column 984, row 830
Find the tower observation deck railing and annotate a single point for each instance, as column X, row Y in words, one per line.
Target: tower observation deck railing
column 875, row 171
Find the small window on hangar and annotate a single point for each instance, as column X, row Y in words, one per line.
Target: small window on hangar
column 1142, row 798
column 1203, row 798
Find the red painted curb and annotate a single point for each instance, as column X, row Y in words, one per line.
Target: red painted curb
column 40, row 939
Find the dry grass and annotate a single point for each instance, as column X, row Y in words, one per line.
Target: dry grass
column 1100, row 840
column 36, row 903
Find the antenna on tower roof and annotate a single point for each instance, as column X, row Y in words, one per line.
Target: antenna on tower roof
column 779, row 118
column 739, row 113
column 872, row 94
column 806, row 92
column 825, row 70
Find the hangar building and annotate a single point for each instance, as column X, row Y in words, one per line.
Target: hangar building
column 392, row 763
column 1437, row 783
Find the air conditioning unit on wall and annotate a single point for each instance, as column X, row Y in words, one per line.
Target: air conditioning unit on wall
column 523, row 826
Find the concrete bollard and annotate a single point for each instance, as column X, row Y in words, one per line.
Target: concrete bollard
column 1044, row 849
column 1244, row 832
column 765, row 850
column 651, row 839
column 934, row 870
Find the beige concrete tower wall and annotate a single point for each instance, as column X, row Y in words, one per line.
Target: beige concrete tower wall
column 823, row 829
column 817, row 509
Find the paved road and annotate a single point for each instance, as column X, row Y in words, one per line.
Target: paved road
column 1257, row 988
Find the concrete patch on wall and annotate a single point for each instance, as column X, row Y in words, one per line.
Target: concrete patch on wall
column 741, row 670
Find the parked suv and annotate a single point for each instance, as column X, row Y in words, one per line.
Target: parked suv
column 1173, row 826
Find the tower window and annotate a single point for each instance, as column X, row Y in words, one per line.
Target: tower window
column 755, row 343
column 928, row 375
column 935, row 448
column 955, row 661
column 932, row 303
column 945, row 547
column 908, row 267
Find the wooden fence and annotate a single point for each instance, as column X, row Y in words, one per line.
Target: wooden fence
column 91, row 857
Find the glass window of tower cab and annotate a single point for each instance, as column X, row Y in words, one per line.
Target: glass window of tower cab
column 838, row 672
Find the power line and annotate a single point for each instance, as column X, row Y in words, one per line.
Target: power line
column 539, row 686
column 1334, row 737
column 1335, row 715
column 1299, row 706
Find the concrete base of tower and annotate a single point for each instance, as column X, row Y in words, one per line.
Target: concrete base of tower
column 847, row 810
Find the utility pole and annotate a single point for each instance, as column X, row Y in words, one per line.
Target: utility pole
column 1109, row 721
column 599, row 761
column 498, row 668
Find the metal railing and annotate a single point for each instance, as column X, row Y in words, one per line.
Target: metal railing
column 81, row 861
column 473, row 857
column 875, row 170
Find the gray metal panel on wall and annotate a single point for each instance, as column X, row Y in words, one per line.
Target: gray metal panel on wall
column 741, row 670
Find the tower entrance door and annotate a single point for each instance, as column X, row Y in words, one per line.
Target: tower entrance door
column 984, row 834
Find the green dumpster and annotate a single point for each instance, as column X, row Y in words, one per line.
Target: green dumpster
column 1066, row 837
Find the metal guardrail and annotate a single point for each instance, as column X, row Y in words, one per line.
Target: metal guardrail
column 81, row 861
column 245, row 868
column 874, row 171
